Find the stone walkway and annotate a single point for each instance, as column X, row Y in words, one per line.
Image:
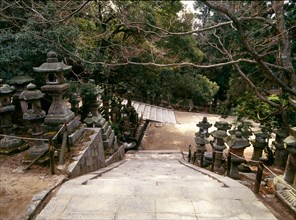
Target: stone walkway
column 154, row 185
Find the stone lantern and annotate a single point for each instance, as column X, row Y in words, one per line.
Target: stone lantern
column 90, row 120
column 290, row 171
column 218, row 145
column 59, row 112
column 259, row 144
column 237, row 144
column 281, row 154
column 19, row 82
column 7, row 144
column 204, row 126
column 244, row 129
column 201, row 142
column 31, row 106
column 95, row 99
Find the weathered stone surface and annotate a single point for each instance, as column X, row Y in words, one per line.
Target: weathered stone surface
column 149, row 185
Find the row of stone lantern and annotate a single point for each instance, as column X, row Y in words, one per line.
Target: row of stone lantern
column 29, row 100
column 9, row 143
column 238, row 141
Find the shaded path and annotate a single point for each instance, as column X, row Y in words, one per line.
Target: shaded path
column 154, row 185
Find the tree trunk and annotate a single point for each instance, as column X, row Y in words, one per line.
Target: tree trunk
column 285, row 47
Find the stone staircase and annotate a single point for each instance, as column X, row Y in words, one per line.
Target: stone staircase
column 154, row 185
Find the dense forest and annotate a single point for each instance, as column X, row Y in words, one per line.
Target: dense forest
column 238, row 56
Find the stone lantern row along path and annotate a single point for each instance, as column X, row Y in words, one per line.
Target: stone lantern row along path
column 24, row 100
column 237, row 142
column 28, row 99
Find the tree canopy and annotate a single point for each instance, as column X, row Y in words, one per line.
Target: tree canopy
column 159, row 50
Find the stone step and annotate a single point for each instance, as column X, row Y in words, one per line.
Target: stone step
column 102, row 122
column 105, row 127
column 107, row 143
column 106, row 135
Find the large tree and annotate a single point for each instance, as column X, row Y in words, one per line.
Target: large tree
column 101, row 38
column 253, row 38
column 258, row 34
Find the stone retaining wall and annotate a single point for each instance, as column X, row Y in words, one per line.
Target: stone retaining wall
column 92, row 157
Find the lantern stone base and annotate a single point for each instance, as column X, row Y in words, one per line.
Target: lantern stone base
column 58, row 119
column 234, row 170
column 38, row 149
column 10, row 145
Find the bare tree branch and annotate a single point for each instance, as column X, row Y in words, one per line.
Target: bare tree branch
column 246, row 78
column 246, row 43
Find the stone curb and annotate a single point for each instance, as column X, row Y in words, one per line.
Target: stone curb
column 39, row 198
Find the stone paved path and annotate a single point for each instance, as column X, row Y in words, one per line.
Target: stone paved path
column 154, row 185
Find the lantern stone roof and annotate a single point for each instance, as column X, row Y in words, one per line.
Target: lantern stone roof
column 89, row 120
column 262, row 134
column 219, row 134
column 52, row 64
column 237, row 141
column 20, row 79
column 222, row 125
column 204, row 123
column 31, row 93
column 290, row 142
column 281, row 133
column 6, row 89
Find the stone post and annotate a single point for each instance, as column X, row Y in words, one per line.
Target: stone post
column 290, row 171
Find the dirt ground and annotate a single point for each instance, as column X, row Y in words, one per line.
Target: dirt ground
column 18, row 188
